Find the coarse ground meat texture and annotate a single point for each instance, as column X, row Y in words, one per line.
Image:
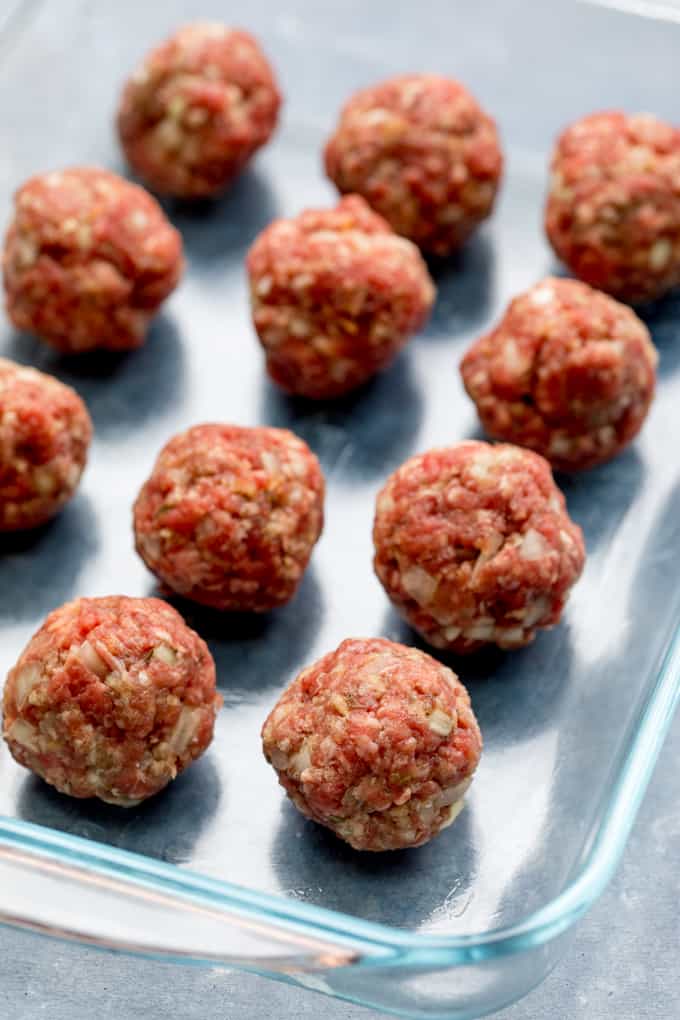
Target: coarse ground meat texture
column 112, row 698
column 335, row 295
column 613, row 208
column 568, row 372
column 230, row 515
column 196, row 110
column 474, row 546
column 45, row 433
column 376, row 741
column 423, row 153
column 89, row 258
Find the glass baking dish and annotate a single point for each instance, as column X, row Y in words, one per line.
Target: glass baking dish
column 220, row 869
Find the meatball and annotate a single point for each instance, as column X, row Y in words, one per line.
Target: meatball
column 474, row 546
column 376, row 741
column 568, row 372
column 423, row 153
column 197, row 109
column 45, row 433
column 112, row 698
column 230, row 515
column 89, row 258
column 335, row 295
column 613, row 209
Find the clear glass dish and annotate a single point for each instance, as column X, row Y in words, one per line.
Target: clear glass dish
column 220, row 868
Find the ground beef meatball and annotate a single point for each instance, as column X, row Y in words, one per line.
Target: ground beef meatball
column 473, row 545
column 45, row 433
column 423, row 153
column 613, row 209
column 568, row 372
column 376, row 741
column 88, row 260
column 197, row 109
column 335, row 294
column 230, row 515
column 112, row 698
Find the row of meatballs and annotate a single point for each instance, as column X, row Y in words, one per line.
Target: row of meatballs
column 420, row 150
column 568, row 372
column 90, row 257
column 114, row 697
column 230, row 514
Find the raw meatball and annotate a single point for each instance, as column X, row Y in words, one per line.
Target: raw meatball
column 230, row 515
column 197, row 109
column 423, row 153
column 112, row 698
column 613, row 209
column 335, row 294
column 473, row 545
column 89, row 258
column 568, row 372
column 376, row 741
column 45, row 433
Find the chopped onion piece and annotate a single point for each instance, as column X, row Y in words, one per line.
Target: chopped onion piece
column 25, row 681
column 165, row 653
column 440, row 723
column 92, row 660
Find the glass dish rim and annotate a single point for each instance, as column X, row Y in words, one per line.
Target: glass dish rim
column 379, row 943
